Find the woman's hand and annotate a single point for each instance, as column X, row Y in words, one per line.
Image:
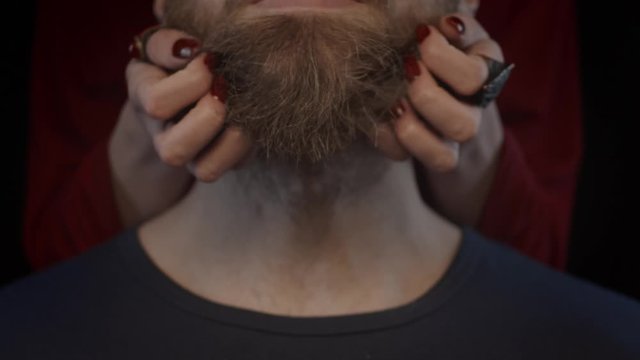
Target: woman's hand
column 455, row 143
column 171, row 129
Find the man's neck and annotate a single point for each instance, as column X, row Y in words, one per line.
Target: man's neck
column 351, row 237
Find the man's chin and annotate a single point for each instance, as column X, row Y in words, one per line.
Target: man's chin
column 306, row 87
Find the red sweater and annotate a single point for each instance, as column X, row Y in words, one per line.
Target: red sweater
column 78, row 89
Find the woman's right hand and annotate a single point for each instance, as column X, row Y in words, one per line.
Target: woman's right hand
column 171, row 129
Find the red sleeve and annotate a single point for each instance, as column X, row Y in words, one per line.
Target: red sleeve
column 531, row 201
column 77, row 89
column 79, row 215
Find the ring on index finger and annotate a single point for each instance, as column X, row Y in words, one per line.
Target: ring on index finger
column 138, row 46
column 499, row 73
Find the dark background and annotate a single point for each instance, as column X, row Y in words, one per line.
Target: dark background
column 603, row 240
column 15, row 55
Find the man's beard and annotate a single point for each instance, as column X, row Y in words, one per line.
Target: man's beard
column 305, row 85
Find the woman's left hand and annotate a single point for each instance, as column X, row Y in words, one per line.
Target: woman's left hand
column 456, row 143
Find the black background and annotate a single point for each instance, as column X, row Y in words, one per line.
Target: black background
column 604, row 236
column 604, row 239
column 15, row 57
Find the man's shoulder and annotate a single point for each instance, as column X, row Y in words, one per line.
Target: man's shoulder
column 100, row 260
column 525, row 279
column 40, row 308
column 543, row 303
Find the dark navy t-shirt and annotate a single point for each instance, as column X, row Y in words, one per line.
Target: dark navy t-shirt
column 114, row 303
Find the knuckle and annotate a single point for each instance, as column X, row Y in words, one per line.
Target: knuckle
column 473, row 82
column 171, row 155
column 153, row 106
column 212, row 112
column 432, row 46
column 464, row 130
column 426, row 95
column 197, row 75
column 208, row 175
column 429, row 48
column 171, row 158
column 405, row 131
column 470, row 86
column 445, row 162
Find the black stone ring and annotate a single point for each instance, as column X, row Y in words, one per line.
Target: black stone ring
column 499, row 73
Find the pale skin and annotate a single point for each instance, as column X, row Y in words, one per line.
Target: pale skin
column 203, row 242
column 458, row 167
column 235, row 246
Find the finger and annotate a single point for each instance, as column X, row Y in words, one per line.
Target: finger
column 433, row 152
column 486, row 48
column 465, row 32
column 465, row 74
column 383, row 138
column 455, row 120
column 171, row 49
column 162, row 96
column 469, row 7
column 231, row 148
column 153, row 126
column 182, row 142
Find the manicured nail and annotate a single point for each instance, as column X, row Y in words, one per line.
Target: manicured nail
column 185, row 48
column 211, row 62
column 422, row 32
column 411, row 67
column 219, row 89
column 457, row 24
column 399, row 109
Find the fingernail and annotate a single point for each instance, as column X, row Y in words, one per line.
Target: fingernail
column 399, row 109
column 457, row 24
column 185, row 48
column 219, row 89
column 422, row 32
column 411, row 68
column 211, row 62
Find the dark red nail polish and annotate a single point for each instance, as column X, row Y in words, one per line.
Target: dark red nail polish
column 457, row 24
column 219, row 89
column 411, row 67
column 134, row 52
column 185, row 48
column 211, row 61
column 422, row 32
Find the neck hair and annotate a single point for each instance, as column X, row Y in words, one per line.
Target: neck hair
column 307, row 189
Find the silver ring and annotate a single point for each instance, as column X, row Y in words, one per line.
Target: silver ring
column 499, row 73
